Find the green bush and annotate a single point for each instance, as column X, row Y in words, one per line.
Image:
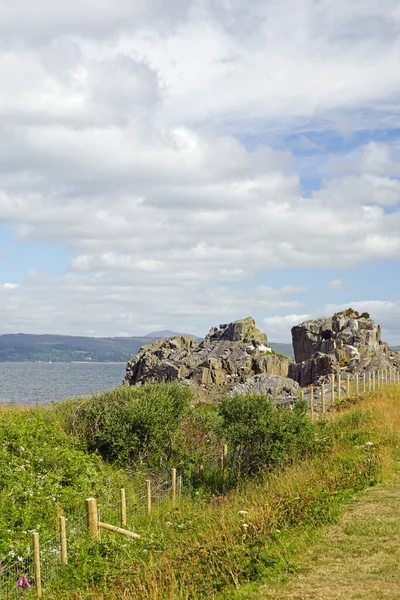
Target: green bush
column 134, row 426
column 261, row 436
column 40, row 463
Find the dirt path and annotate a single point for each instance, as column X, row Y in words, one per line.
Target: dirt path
column 357, row 560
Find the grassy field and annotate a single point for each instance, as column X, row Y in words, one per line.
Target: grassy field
column 252, row 537
column 357, row 558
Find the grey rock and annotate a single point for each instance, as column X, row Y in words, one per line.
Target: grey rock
column 279, row 388
column 346, row 341
column 229, row 355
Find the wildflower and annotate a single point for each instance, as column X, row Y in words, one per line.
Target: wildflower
column 243, row 512
column 369, row 444
column 23, row 583
column 168, row 523
column 22, row 449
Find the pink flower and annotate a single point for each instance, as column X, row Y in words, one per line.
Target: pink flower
column 23, row 583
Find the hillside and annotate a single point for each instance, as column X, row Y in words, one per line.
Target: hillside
column 21, row 347
column 63, row 348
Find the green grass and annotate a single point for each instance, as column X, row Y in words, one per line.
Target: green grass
column 216, row 543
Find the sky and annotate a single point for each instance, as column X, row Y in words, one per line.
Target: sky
column 187, row 163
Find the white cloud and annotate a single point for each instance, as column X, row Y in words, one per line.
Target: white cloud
column 123, row 142
column 335, row 285
column 35, row 24
column 278, row 327
column 373, row 158
column 106, row 303
column 10, row 286
column 282, row 59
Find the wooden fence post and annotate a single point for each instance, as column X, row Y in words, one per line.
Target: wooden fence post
column 92, row 517
column 301, row 395
column 173, row 487
column 333, row 387
column 364, row 382
column 348, row 386
column 63, row 541
column 224, row 460
column 339, row 385
column 36, row 560
column 148, row 490
column 122, row 496
column 369, row 381
column 323, row 398
column 357, row 385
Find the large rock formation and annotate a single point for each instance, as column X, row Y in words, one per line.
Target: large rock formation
column 228, row 356
column 347, row 341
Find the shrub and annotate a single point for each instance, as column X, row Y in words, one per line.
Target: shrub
column 261, row 436
column 38, row 463
column 134, row 425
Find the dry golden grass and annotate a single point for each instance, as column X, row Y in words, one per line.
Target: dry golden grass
column 359, row 558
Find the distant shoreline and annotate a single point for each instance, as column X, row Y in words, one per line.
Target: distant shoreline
column 63, row 362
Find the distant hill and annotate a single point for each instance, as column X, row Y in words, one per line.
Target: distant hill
column 396, row 348
column 21, row 347
column 65, row 348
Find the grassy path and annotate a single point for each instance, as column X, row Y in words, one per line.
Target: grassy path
column 359, row 559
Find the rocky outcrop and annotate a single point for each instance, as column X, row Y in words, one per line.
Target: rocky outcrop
column 281, row 389
column 229, row 355
column 347, row 341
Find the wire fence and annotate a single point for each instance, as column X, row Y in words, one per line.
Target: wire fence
column 39, row 569
column 21, row 575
